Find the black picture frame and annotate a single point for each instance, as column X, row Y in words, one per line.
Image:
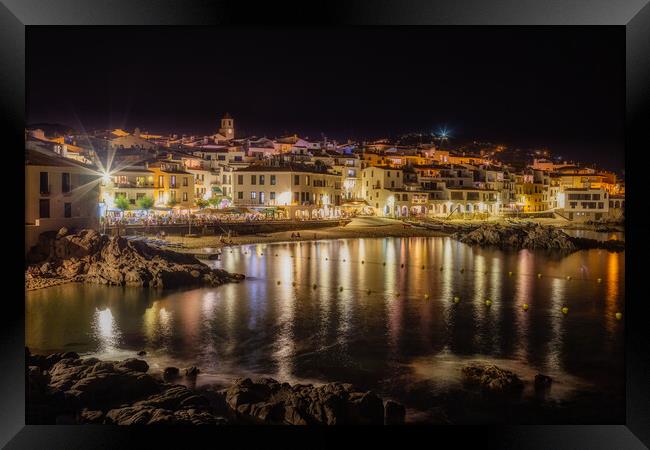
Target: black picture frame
column 633, row 15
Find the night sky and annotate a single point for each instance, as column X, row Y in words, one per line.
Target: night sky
column 556, row 87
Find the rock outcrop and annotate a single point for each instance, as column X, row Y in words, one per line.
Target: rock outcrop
column 531, row 236
column 86, row 390
column 90, row 257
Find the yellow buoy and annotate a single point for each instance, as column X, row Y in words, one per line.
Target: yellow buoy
column 539, row 275
column 565, row 310
column 456, row 299
column 509, row 274
column 525, row 306
column 488, row 302
column 619, row 316
column 426, row 295
column 600, row 280
column 568, row 277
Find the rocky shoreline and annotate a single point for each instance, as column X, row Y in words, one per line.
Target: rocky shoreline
column 66, row 389
column 531, row 236
column 89, row 257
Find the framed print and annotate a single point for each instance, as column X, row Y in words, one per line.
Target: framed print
column 394, row 221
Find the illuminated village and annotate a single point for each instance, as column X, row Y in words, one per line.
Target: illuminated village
column 116, row 176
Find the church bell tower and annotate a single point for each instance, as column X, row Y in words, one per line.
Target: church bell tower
column 227, row 127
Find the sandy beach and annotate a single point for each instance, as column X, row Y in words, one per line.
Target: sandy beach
column 362, row 227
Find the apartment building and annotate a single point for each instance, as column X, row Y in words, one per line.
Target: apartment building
column 301, row 191
column 584, row 204
column 59, row 192
column 173, row 185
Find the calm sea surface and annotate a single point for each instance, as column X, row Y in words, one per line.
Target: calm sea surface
column 346, row 310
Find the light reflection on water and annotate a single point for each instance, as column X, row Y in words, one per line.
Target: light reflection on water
column 376, row 340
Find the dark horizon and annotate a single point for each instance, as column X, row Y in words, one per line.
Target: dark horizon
column 561, row 88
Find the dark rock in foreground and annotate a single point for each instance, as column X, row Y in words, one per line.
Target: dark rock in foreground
column 87, row 390
column 492, row 379
column 269, row 401
column 89, row 257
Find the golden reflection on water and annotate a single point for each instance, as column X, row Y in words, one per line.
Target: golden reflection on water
column 289, row 331
column 105, row 330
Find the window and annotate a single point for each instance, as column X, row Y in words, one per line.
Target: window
column 296, row 180
column 45, row 183
column 44, row 207
column 261, row 179
column 240, row 195
column 65, row 182
column 272, row 195
column 185, row 181
column 307, row 180
column 184, row 196
column 172, row 184
column 261, row 198
column 273, row 179
column 240, row 179
column 161, row 181
column 388, row 173
column 253, row 179
column 172, row 195
column 253, row 195
column 296, row 197
column 601, row 205
column 160, row 196
column 67, row 210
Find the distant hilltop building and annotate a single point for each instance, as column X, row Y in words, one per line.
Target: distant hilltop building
column 227, row 130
